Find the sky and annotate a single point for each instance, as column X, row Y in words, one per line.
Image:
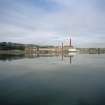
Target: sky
column 53, row 21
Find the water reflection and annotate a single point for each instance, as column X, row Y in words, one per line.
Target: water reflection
column 8, row 57
column 65, row 58
column 62, row 57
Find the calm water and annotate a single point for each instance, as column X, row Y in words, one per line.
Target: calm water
column 74, row 80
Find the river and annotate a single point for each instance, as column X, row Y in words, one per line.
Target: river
column 53, row 80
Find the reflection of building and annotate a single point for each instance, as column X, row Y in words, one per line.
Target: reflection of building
column 69, row 55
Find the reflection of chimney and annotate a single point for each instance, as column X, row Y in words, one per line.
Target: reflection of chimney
column 70, row 59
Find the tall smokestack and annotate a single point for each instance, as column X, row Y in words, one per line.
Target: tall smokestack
column 70, row 42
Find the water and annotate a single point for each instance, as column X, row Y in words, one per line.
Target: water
column 74, row 80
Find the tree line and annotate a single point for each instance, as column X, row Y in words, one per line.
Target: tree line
column 11, row 46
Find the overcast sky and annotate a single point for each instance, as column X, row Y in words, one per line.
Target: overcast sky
column 53, row 21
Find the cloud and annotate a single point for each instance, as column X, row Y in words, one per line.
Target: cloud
column 53, row 21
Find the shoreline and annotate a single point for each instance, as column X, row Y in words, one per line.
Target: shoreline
column 12, row 52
